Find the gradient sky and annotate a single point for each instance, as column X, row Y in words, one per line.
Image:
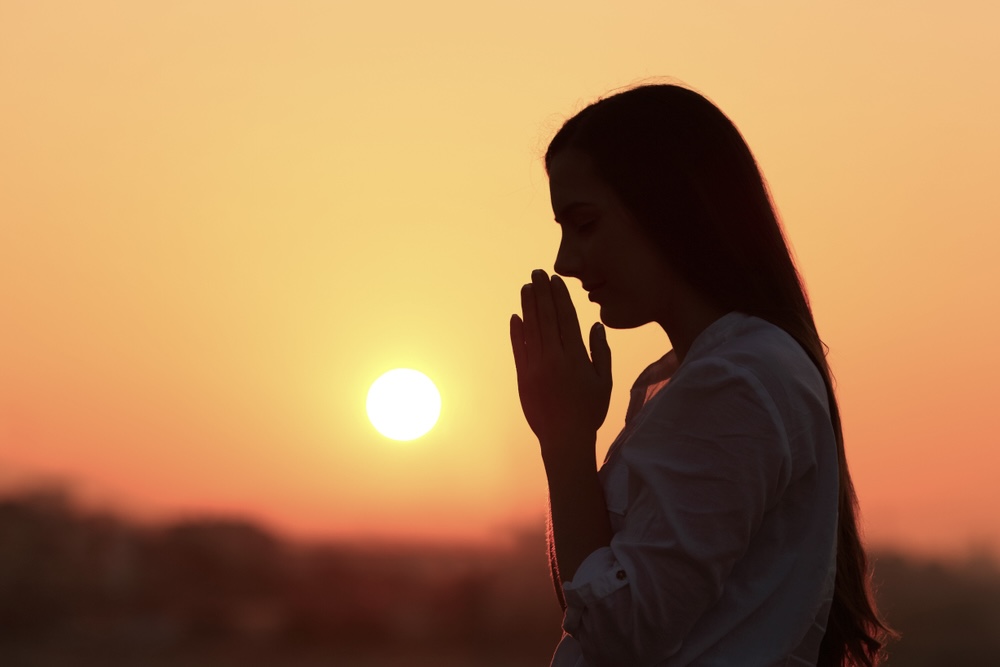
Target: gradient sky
column 221, row 221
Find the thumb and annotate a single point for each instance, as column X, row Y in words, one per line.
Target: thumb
column 600, row 351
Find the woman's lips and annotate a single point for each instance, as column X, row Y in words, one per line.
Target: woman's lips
column 591, row 289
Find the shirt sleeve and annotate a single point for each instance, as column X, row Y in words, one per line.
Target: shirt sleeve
column 704, row 462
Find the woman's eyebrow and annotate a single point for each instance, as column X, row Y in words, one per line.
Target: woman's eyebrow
column 565, row 211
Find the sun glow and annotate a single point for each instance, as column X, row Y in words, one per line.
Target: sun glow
column 403, row 404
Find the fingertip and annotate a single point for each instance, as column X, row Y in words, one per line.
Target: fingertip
column 516, row 333
column 599, row 340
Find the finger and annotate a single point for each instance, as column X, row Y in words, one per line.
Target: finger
column 532, row 343
column 600, row 351
column 517, row 341
column 548, row 326
column 569, row 324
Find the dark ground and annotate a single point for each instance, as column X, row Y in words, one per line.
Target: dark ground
column 80, row 589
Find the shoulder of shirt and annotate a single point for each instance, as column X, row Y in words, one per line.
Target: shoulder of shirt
column 748, row 344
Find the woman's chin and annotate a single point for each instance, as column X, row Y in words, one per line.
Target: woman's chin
column 619, row 320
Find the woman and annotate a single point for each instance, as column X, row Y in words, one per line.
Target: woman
column 721, row 528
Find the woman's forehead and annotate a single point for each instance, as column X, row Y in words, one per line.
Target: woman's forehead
column 573, row 183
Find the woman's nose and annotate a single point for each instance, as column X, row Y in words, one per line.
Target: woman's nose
column 567, row 260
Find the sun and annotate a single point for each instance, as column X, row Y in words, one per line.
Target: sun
column 403, row 404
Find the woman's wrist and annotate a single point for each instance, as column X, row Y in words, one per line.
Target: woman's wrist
column 580, row 526
column 569, row 453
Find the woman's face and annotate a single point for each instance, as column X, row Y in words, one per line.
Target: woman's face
column 605, row 247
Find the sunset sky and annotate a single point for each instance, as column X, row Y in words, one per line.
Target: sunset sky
column 221, row 221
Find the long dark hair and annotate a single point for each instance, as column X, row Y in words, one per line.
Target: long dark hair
column 683, row 170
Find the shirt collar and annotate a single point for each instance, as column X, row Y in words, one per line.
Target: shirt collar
column 656, row 376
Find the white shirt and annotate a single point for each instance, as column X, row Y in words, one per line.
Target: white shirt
column 722, row 492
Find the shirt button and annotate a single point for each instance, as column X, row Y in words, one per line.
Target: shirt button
column 621, row 575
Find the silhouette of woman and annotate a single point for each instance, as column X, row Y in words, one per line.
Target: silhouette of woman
column 721, row 528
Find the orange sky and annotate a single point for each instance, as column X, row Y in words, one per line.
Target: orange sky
column 221, row 221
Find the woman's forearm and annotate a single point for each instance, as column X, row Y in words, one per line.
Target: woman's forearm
column 580, row 523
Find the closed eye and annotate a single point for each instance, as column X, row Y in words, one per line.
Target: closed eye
column 577, row 214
